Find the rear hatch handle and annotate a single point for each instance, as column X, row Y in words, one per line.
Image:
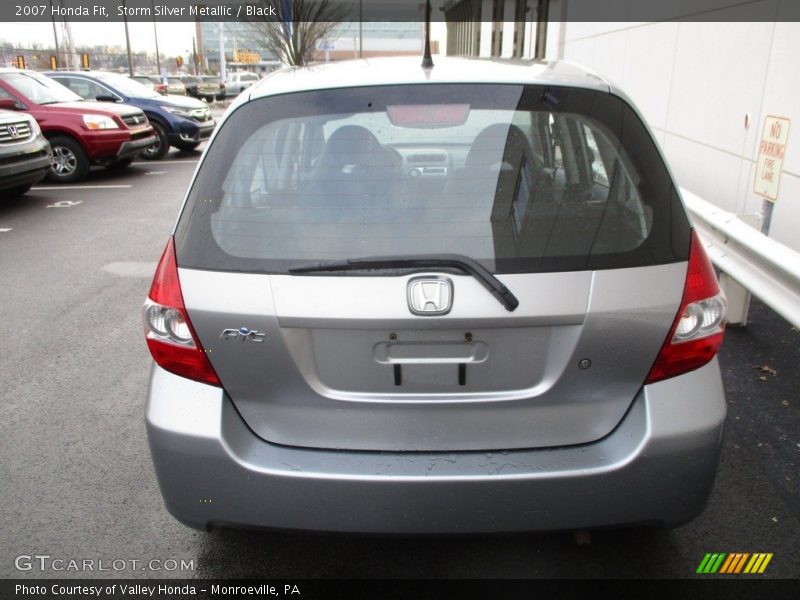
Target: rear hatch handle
column 453, row 261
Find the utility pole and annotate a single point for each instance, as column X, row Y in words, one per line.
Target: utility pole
column 70, row 43
column 360, row 30
column 155, row 33
column 223, row 74
column 194, row 55
column 66, row 32
column 128, row 42
column 55, row 35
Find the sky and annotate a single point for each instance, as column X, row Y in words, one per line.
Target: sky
column 173, row 38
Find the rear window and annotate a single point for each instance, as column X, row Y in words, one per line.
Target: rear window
column 520, row 178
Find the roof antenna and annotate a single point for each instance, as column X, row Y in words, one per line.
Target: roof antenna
column 427, row 61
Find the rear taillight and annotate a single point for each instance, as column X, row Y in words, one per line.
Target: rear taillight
column 167, row 328
column 696, row 334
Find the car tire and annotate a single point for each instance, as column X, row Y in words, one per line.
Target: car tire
column 118, row 165
column 69, row 162
column 187, row 146
column 18, row 190
column 158, row 150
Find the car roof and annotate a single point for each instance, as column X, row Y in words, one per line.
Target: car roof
column 407, row 71
column 13, row 70
column 87, row 73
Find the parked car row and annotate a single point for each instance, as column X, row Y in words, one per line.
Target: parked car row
column 59, row 124
column 173, row 85
column 205, row 87
column 154, row 82
column 177, row 121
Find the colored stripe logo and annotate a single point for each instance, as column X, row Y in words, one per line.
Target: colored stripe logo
column 734, row 563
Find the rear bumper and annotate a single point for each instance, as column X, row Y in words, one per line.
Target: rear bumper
column 657, row 466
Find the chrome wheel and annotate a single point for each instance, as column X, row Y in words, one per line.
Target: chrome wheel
column 69, row 162
column 64, row 161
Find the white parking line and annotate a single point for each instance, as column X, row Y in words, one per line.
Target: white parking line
column 81, row 187
column 6, row 229
column 155, row 172
column 166, row 162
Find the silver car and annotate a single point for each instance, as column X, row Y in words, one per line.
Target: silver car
column 238, row 82
column 458, row 299
column 175, row 86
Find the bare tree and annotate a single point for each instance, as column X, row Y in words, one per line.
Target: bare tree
column 299, row 25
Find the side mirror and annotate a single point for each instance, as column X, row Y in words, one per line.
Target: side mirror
column 9, row 104
column 106, row 98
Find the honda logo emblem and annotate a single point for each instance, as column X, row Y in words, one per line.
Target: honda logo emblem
column 12, row 131
column 430, row 296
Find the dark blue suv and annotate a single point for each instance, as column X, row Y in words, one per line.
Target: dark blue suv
column 177, row 120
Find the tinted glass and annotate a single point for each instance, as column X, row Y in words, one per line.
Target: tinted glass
column 85, row 88
column 521, row 178
column 127, row 86
column 39, row 88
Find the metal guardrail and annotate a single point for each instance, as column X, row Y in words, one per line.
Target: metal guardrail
column 763, row 266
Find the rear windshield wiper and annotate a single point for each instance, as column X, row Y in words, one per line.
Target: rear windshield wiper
column 453, row 261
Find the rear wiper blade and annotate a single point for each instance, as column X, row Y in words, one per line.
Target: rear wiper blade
column 437, row 261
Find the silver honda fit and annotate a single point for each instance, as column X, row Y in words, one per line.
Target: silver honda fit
column 459, row 299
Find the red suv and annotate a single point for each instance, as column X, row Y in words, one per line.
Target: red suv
column 81, row 133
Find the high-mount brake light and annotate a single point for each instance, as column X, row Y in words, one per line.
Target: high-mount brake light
column 170, row 336
column 698, row 329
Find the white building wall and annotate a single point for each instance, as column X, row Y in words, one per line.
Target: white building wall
column 486, row 28
column 508, row 29
column 695, row 83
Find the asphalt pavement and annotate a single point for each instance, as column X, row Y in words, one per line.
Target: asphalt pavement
column 76, row 481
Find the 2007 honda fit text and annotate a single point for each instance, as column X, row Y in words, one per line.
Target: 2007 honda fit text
column 458, row 299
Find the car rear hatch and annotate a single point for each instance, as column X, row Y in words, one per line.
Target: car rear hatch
column 557, row 194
